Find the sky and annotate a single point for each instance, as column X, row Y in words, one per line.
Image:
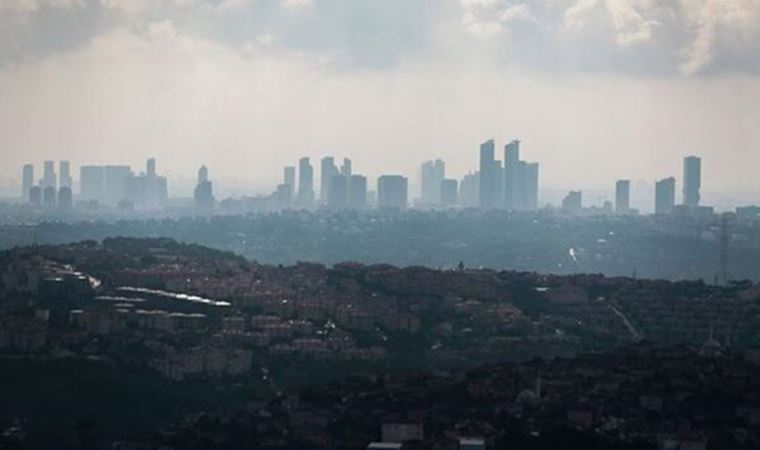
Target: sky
column 596, row 90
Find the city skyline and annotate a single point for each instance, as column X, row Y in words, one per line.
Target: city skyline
column 595, row 87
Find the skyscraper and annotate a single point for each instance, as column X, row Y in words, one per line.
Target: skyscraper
column 203, row 195
column 115, row 184
column 327, row 171
column 431, row 175
column 64, row 174
column 48, row 176
column 469, row 190
column 530, row 179
column 345, row 168
column 357, row 192
column 622, row 196
column 65, row 200
column 150, row 168
column 511, row 182
column 305, row 183
column 392, row 191
column 692, row 180
column 489, row 178
column 27, row 181
column 49, row 197
column 35, row 196
column 449, row 192
column 665, row 196
column 338, row 194
column 91, row 180
column 289, row 177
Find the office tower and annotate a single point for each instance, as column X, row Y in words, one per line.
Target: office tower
column 449, row 192
column 511, row 170
column 357, row 192
column 573, row 201
column 150, row 168
column 345, row 168
column 328, row 170
column 431, row 175
column 665, row 196
column 203, row 195
column 692, row 180
column 115, row 184
column 65, row 200
column 91, row 180
column 305, row 183
column 48, row 176
column 392, row 191
column 48, row 197
column 491, row 179
column 289, row 177
column 338, row 194
column 622, row 196
column 27, row 181
column 283, row 195
column 530, row 186
column 469, row 190
column 64, row 174
column 35, row 196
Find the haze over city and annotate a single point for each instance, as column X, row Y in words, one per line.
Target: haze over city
column 596, row 90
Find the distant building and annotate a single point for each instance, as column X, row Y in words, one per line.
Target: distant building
column 511, row 182
column 530, row 179
column 115, row 184
column 392, row 191
column 489, row 176
column 402, row 432
column 357, row 192
column 449, row 192
column 305, row 183
column 622, row 196
column 48, row 176
column 289, row 177
column 49, row 197
column 64, row 174
column 469, row 190
column 431, row 175
column 345, row 168
column 35, row 196
column 65, row 198
column 692, row 180
column 203, row 195
column 27, row 181
column 91, row 183
column 573, row 201
column 665, row 196
column 327, row 172
column 338, row 193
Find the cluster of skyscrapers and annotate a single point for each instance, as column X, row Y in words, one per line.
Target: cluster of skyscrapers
column 340, row 188
column 115, row 186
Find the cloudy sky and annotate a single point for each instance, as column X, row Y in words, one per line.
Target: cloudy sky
column 595, row 89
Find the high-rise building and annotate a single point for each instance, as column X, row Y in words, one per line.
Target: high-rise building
column 150, row 168
column 305, row 183
column 345, row 168
column 48, row 176
column 289, row 177
column 27, row 181
column 665, row 196
column 530, row 186
column 449, row 192
column 489, row 176
column 511, row 174
column 115, row 184
column 431, row 175
column 573, row 201
column 49, row 197
column 91, row 181
column 338, row 193
column 622, row 196
column 283, row 195
column 327, row 171
column 469, row 190
column 392, row 191
column 35, row 196
column 692, row 180
column 203, row 195
column 65, row 199
column 64, row 174
column 357, row 192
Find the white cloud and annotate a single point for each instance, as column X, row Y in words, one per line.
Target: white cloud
column 487, row 18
